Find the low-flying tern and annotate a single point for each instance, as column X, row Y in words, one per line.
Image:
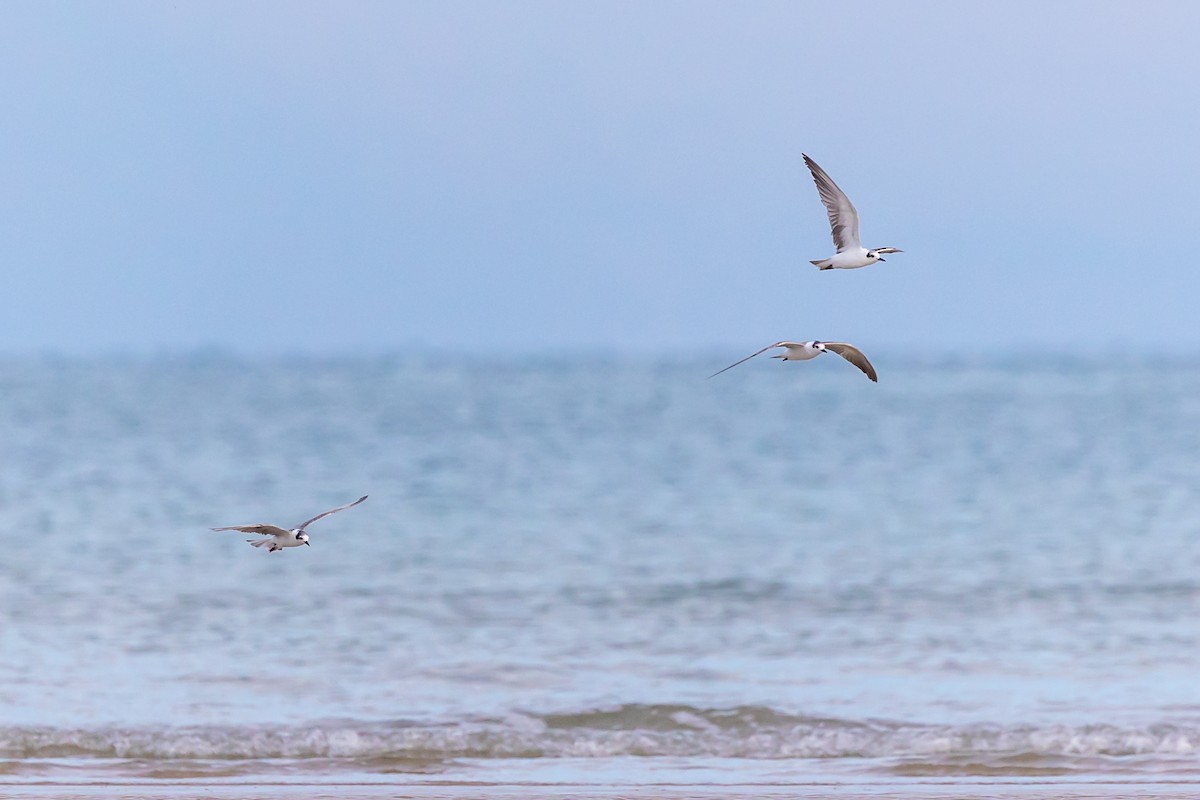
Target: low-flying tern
column 803, row 351
column 280, row 538
column 843, row 219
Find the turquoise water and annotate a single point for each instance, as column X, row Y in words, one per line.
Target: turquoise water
column 600, row 570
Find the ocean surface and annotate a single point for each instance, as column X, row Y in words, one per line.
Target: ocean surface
column 599, row 572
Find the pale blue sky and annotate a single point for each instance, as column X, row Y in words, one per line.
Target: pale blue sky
column 325, row 178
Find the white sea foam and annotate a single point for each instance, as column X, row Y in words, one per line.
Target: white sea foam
column 647, row 731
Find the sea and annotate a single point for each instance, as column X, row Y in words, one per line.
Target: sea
column 600, row 576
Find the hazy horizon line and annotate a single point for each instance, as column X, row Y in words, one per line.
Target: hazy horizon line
column 594, row 353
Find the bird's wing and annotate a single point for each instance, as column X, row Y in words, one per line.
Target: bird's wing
column 262, row 530
column 747, row 358
column 854, row 356
column 306, row 523
column 843, row 219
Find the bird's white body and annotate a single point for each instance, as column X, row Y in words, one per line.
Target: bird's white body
column 798, row 351
column 278, row 541
column 849, row 259
column 277, row 538
column 843, row 222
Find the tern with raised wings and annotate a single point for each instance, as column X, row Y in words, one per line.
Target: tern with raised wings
column 843, row 220
column 278, row 538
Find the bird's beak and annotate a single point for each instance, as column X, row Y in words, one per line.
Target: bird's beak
column 883, row 259
column 307, row 544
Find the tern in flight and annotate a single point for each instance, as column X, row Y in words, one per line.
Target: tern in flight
column 803, row 351
column 843, row 219
column 278, row 538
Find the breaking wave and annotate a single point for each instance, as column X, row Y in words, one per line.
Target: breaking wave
column 746, row 732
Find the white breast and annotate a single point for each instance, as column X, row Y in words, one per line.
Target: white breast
column 851, row 259
column 800, row 353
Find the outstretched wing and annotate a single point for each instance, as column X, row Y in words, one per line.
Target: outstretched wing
column 854, row 356
column 843, row 218
column 747, row 358
column 261, row 530
column 306, row 523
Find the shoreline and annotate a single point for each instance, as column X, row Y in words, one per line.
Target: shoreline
column 461, row 789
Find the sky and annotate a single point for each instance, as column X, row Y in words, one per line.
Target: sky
column 558, row 177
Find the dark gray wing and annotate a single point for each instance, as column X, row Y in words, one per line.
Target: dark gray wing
column 843, row 218
column 306, row 523
column 854, row 356
column 261, row 530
